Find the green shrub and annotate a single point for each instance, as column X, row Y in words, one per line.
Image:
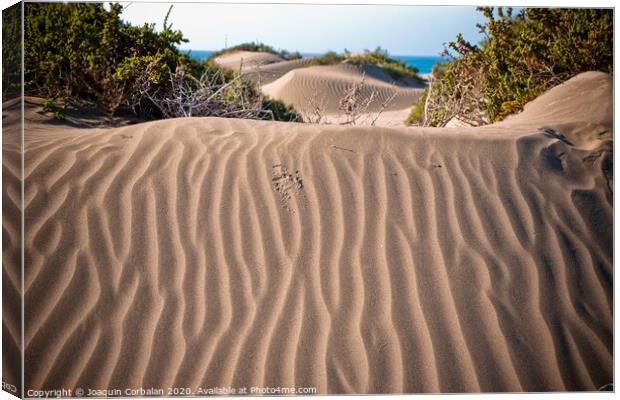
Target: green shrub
column 416, row 117
column 83, row 51
column 295, row 56
column 396, row 68
column 521, row 56
column 280, row 111
column 11, row 52
column 329, row 58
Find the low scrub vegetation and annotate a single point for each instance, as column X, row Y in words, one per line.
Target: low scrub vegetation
column 396, row 68
column 84, row 54
column 329, row 58
column 519, row 58
column 11, row 52
column 380, row 57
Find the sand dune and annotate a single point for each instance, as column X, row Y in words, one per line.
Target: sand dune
column 585, row 125
column 260, row 67
column 213, row 252
column 11, row 245
column 325, row 86
column 246, row 59
column 311, row 89
column 267, row 73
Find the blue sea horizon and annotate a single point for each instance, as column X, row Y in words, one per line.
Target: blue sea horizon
column 424, row 64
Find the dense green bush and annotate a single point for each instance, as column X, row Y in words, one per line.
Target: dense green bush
column 329, row 58
column 81, row 51
column 520, row 57
column 280, row 111
column 11, row 51
column 295, row 55
column 396, row 68
column 84, row 54
column 416, row 117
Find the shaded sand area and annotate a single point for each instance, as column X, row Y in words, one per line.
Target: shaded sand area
column 11, row 246
column 320, row 88
column 219, row 252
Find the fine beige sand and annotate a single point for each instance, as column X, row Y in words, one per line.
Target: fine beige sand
column 325, row 86
column 11, row 246
column 246, row 59
column 260, row 67
column 318, row 90
column 211, row 252
column 265, row 74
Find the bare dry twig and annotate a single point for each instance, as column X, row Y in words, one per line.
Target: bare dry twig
column 383, row 107
column 316, row 109
column 210, row 95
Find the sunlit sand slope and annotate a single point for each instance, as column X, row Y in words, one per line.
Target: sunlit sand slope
column 322, row 89
column 260, row 67
column 246, row 59
column 218, row 252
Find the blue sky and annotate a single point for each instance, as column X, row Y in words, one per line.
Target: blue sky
column 403, row 30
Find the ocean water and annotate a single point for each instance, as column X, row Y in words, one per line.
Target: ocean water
column 424, row 64
column 199, row 54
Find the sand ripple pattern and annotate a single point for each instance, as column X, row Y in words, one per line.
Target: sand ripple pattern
column 417, row 260
column 161, row 255
column 325, row 86
column 11, row 244
column 260, row 67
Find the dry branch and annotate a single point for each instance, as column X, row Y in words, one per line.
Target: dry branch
column 211, row 95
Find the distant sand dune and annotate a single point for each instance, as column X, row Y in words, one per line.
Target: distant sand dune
column 213, row 252
column 306, row 87
column 328, row 84
column 268, row 73
column 261, row 67
column 246, row 59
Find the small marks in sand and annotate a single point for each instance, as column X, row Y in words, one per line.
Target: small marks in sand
column 343, row 149
column 552, row 133
column 287, row 184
